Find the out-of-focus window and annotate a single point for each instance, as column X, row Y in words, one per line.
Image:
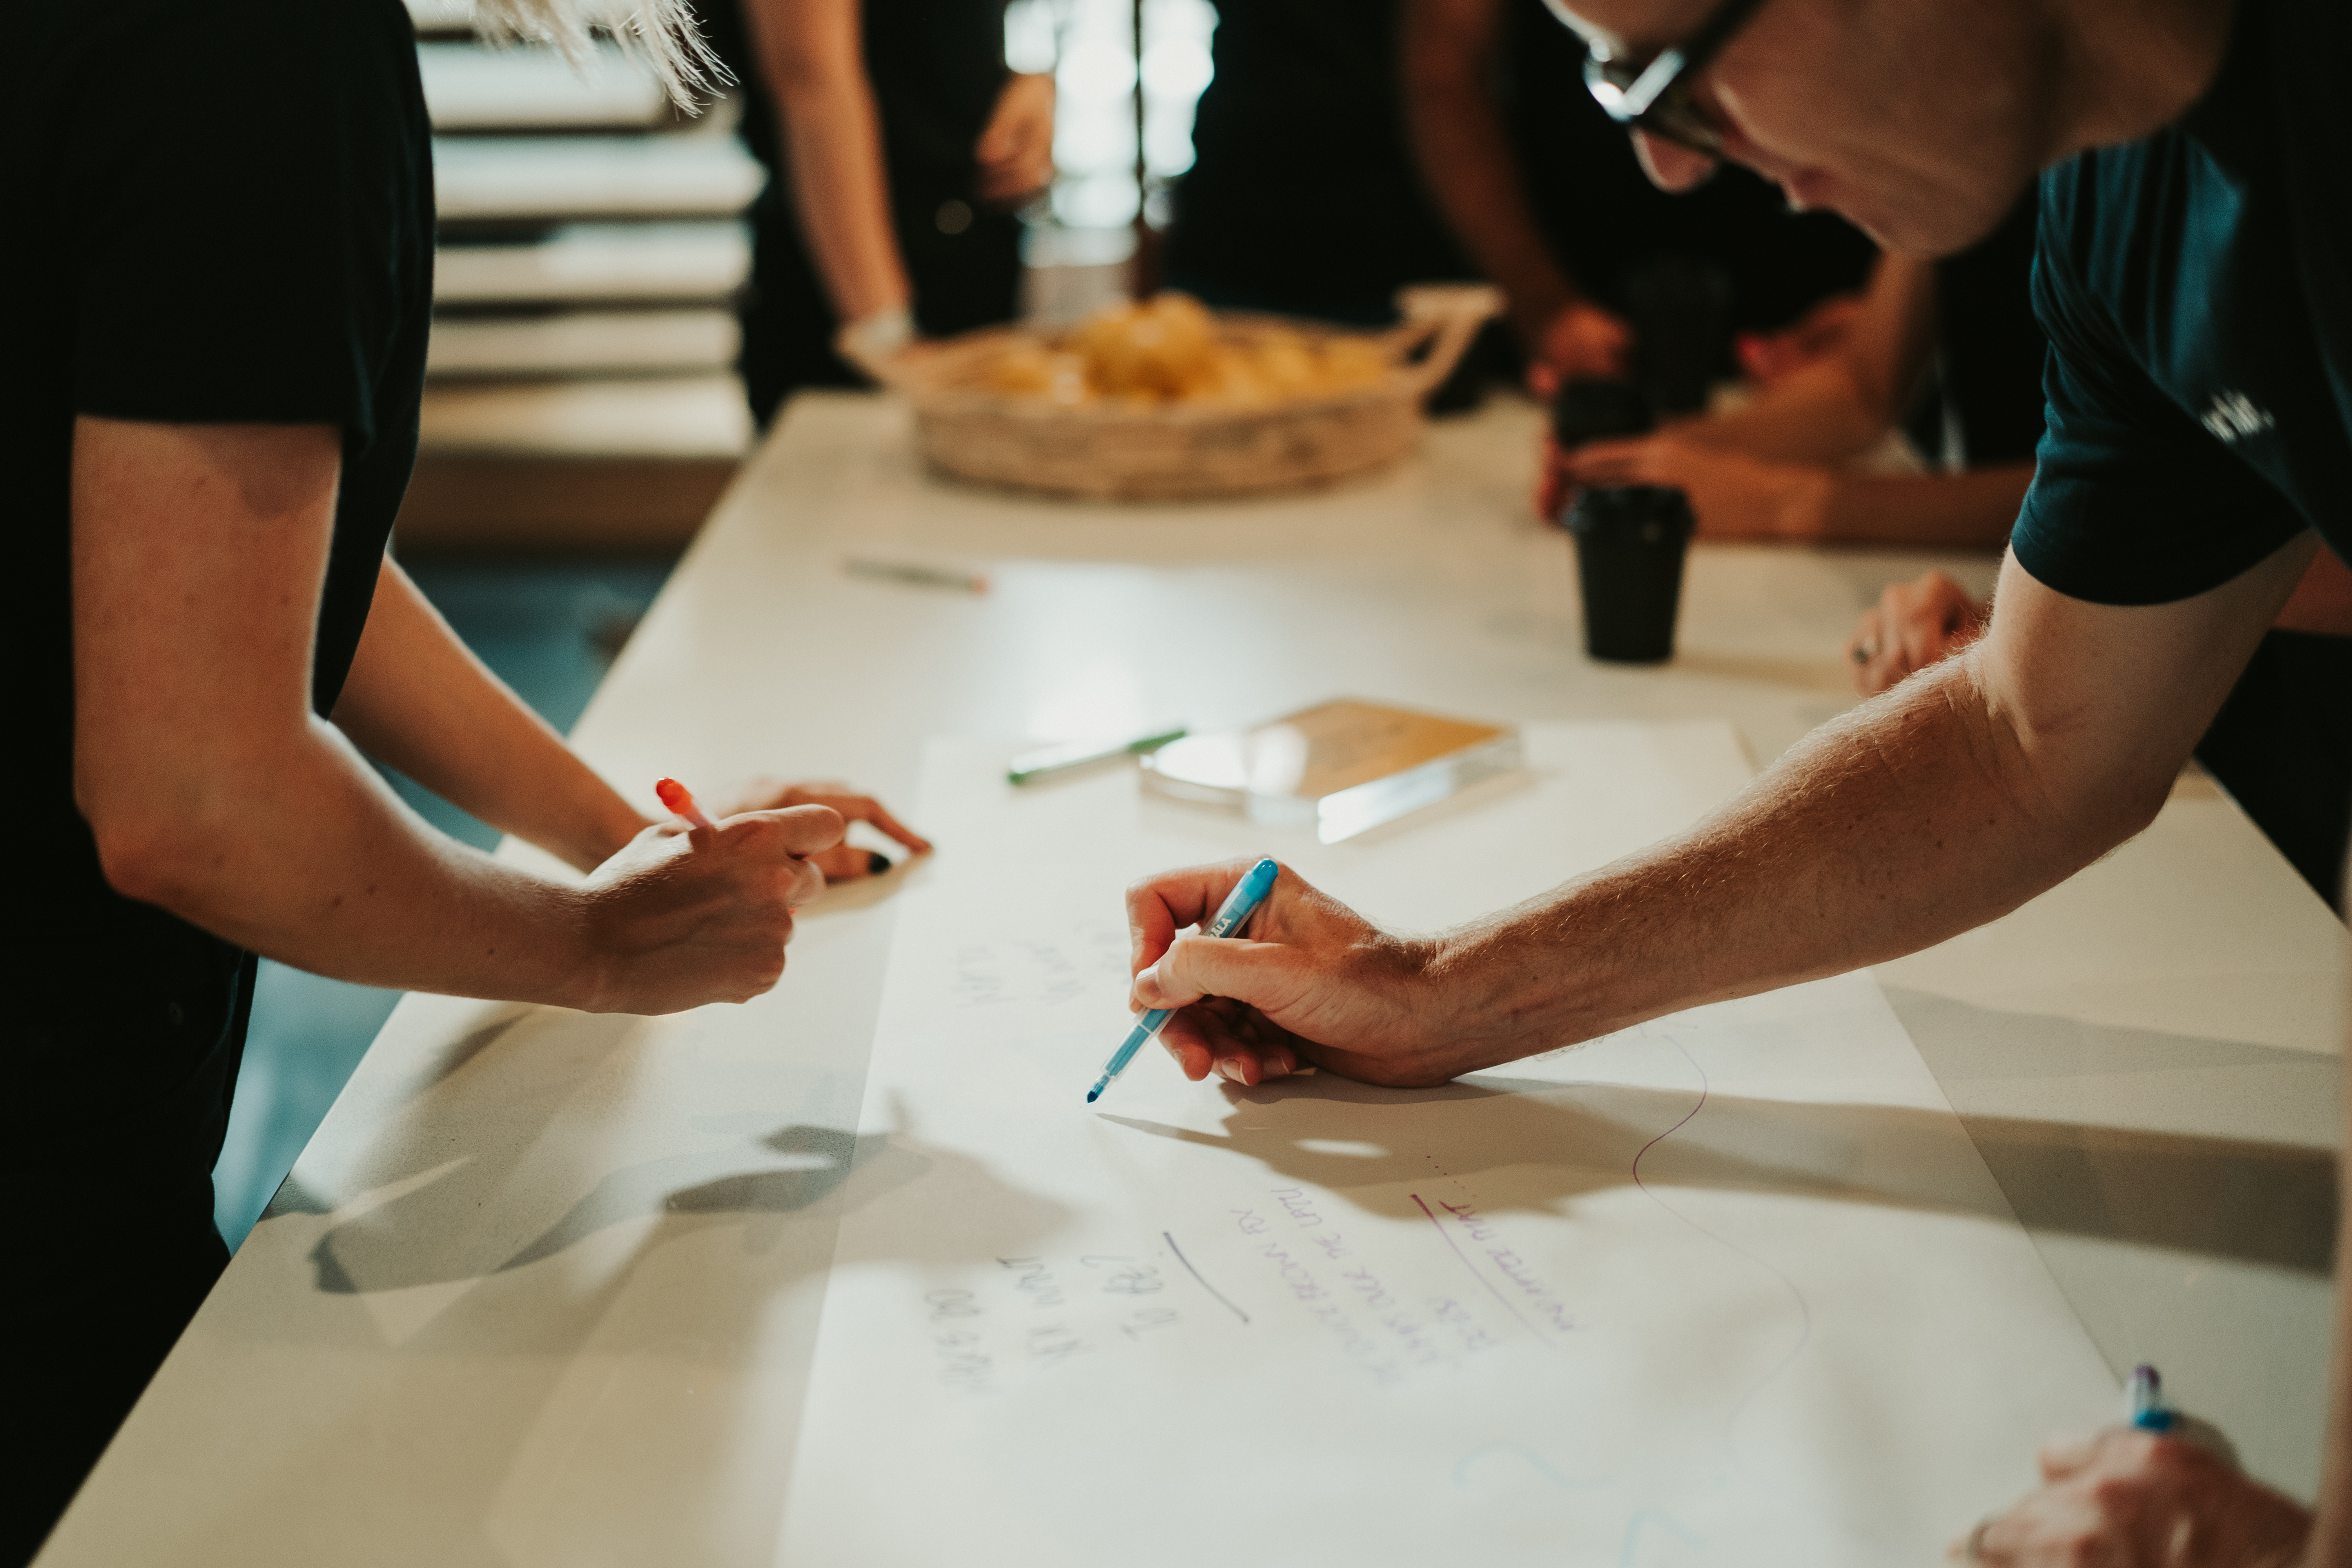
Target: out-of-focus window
column 1090, row 46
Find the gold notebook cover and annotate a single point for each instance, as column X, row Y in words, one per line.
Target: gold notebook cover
column 1346, row 765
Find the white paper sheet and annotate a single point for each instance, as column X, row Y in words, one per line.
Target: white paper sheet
column 1733, row 1285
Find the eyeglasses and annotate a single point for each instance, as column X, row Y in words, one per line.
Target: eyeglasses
column 1657, row 96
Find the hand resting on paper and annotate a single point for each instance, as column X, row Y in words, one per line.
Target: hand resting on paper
column 1932, row 617
column 680, row 918
column 1315, row 975
column 2135, row 1500
column 841, row 863
column 1913, row 625
column 685, row 917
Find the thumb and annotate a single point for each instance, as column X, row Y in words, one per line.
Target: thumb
column 2068, row 1453
column 1198, row 966
column 796, row 830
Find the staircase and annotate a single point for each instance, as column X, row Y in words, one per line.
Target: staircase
column 579, row 396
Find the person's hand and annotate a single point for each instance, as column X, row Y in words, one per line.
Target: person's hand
column 1553, row 488
column 1579, row 341
column 842, row 863
column 1915, row 624
column 2128, row 1499
column 1733, row 495
column 1015, row 152
column 681, row 917
column 1314, row 982
column 1766, row 357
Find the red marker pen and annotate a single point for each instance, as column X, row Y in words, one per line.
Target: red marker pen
column 680, row 800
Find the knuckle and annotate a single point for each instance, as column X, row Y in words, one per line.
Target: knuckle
column 2116, row 1496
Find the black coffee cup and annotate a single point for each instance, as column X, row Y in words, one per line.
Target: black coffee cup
column 1630, row 544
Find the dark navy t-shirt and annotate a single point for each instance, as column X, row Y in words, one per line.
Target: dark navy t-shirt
column 2196, row 288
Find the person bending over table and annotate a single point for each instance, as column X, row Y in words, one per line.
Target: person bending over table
column 897, row 145
column 224, row 265
column 2282, row 744
column 1302, row 199
column 1779, row 467
column 1544, row 194
column 2195, row 278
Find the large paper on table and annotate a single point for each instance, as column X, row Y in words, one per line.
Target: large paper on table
column 1730, row 1286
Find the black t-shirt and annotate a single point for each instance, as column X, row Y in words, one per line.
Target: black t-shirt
column 1991, row 349
column 1303, row 195
column 1306, row 193
column 217, row 211
column 936, row 68
column 2197, row 288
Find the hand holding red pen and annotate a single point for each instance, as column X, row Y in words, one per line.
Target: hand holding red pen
column 842, row 863
column 697, row 910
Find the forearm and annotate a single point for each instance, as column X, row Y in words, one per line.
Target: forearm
column 1973, row 510
column 417, row 700
column 1816, row 414
column 1466, row 157
column 1939, row 806
column 2322, row 602
column 2331, row 1534
column 1843, row 401
column 1913, row 818
column 832, row 134
column 298, row 850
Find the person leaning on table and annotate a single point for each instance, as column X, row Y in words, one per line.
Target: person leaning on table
column 897, row 146
column 1771, row 470
column 220, row 270
column 2195, row 278
column 1539, row 188
column 1779, row 467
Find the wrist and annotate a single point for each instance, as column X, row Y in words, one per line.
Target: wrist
column 1810, row 509
column 604, row 830
column 1534, row 312
column 1488, row 1005
column 621, row 824
column 592, row 979
column 877, row 336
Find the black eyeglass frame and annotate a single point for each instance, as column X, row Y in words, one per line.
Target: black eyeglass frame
column 1655, row 96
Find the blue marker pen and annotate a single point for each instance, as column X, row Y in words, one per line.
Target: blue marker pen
column 1239, row 905
column 2144, row 1400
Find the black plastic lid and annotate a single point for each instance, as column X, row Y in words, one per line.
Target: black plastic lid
column 1585, row 411
column 1650, row 513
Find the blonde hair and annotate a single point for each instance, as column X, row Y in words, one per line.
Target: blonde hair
column 662, row 32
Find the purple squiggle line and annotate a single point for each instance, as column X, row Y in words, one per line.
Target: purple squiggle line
column 1804, row 1308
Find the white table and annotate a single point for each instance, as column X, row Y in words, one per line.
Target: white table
column 544, row 1287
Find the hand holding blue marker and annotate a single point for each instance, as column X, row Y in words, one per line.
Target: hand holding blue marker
column 2144, row 1400
column 1239, row 905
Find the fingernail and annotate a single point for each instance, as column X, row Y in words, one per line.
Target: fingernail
column 1231, row 1070
column 877, row 862
column 1147, row 984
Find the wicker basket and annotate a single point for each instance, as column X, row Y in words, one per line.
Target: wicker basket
column 1174, row 451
